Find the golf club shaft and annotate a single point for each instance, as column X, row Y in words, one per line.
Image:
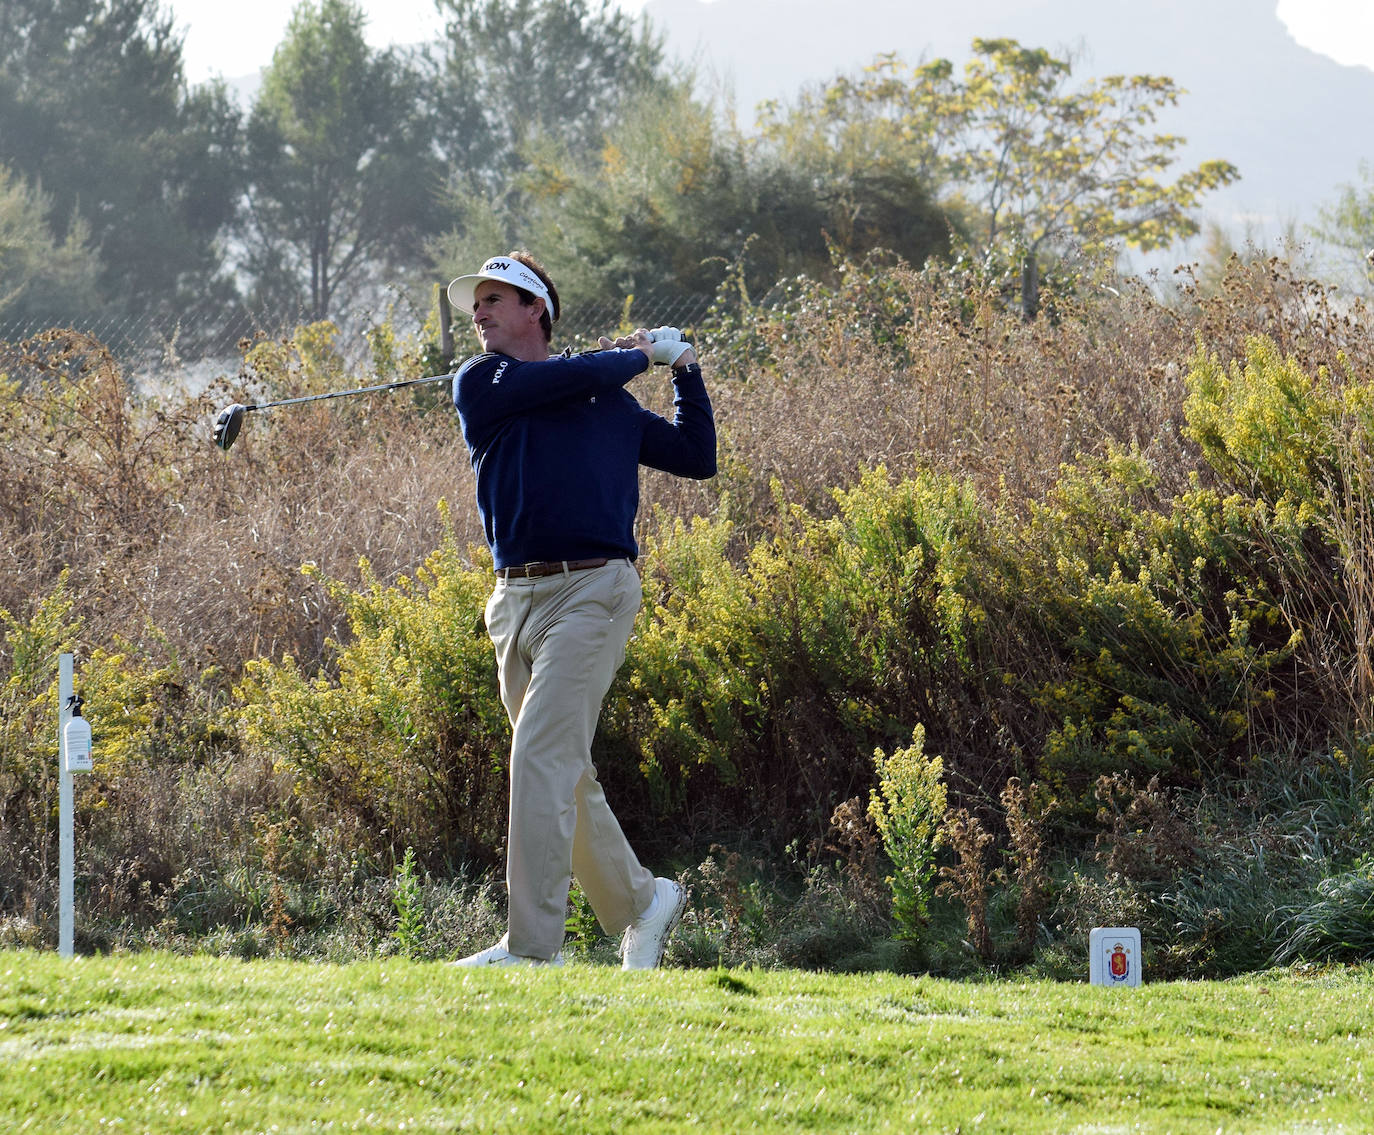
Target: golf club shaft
column 348, row 393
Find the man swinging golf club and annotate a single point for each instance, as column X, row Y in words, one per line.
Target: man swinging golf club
column 556, row 444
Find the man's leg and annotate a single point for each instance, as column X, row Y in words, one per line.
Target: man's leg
column 618, row 887
column 573, row 639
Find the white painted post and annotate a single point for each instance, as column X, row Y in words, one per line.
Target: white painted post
column 66, row 869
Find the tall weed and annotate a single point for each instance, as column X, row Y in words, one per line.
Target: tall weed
column 908, row 808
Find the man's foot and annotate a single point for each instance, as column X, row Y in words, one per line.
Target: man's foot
column 642, row 947
column 498, row 955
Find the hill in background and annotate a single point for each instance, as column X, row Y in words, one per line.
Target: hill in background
column 1289, row 118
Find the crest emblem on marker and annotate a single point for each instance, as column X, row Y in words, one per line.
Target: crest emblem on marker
column 1119, row 964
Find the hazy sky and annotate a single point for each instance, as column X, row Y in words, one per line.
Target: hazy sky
column 236, row 39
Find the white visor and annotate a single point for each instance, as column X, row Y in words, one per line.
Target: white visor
column 462, row 291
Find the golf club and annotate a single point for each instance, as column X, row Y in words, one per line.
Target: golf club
column 230, row 419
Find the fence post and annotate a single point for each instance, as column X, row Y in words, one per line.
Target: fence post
column 66, row 870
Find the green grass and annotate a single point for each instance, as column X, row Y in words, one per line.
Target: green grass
column 155, row 1042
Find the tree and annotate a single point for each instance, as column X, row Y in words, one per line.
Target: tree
column 512, row 70
column 675, row 197
column 343, row 182
column 40, row 277
column 1032, row 162
column 94, row 110
column 1346, row 228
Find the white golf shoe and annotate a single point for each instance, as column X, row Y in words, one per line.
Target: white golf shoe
column 644, row 941
column 498, row 955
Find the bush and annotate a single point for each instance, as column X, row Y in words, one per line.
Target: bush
column 908, row 807
column 779, row 676
column 406, row 746
column 1130, row 541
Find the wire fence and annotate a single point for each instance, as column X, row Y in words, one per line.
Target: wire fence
column 163, row 354
column 580, row 328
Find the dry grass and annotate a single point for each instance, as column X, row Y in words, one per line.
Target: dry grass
column 190, row 552
column 193, row 556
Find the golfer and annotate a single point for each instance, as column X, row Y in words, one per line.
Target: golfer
column 556, row 444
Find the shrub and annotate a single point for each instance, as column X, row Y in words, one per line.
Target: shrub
column 408, row 898
column 1265, row 426
column 406, row 744
column 908, row 807
column 145, row 721
column 1337, row 924
column 1155, row 641
column 1230, row 879
column 780, row 674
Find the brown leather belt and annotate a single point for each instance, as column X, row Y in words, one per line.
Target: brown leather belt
column 549, row 567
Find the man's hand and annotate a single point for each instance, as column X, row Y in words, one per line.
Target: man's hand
column 663, row 346
column 639, row 340
column 669, row 347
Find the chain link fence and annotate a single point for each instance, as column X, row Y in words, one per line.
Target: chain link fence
column 580, row 327
column 163, row 355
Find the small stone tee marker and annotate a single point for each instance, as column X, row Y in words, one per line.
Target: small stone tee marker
column 1114, row 956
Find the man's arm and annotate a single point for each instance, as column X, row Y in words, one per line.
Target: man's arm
column 489, row 388
column 686, row 446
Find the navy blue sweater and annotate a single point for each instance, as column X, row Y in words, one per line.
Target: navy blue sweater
column 556, row 446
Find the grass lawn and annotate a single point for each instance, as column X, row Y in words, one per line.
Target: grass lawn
column 159, row 1043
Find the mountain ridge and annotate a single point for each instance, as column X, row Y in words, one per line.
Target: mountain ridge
column 1255, row 97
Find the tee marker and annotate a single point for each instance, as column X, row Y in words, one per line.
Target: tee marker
column 1114, row 956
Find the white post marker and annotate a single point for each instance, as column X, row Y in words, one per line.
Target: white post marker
column 1114, row 956
column 73, row 755
column 66, row 866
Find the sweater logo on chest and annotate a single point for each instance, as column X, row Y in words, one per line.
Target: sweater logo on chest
column 500, row 370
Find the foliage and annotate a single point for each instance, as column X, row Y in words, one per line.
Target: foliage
column 37, row 273
column 908, row 807
column 1300, row 444
column 1031, row 164
column 97, row 114
column 514, row 70
column 1230, row 879
column 676, row 194
column 28, row 739
column 1167, row 639
column 1045, row 162
column 1130, row 542
column 405, row 745
column 1272, row 430
column 408, row 899
column 1337, row 923
column 970, row 877
column 1346, row 227
column 868, row 302
column 341, row 177
column 832, row 636
column 139, row 718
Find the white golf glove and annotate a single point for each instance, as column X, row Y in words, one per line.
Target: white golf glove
column 668, row 345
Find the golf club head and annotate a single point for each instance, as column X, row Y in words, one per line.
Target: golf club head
column 228, row 424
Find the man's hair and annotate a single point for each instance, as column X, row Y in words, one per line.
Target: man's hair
column 527, row 298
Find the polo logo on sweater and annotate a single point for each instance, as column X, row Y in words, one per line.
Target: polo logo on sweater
column 499, row 371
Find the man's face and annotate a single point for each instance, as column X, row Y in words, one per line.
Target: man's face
column 503, row 323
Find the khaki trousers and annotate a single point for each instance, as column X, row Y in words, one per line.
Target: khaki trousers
column 559, row 640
